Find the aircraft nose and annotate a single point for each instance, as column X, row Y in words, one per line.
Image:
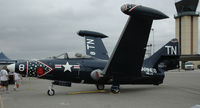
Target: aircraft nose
column 11, row 67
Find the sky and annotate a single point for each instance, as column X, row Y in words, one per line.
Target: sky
column 42, row 28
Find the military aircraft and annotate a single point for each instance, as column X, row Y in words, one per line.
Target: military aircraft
column 126, row 65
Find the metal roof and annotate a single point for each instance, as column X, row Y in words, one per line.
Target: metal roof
column 3, row 56
column 186, row 5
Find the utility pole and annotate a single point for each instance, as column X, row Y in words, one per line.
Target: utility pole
column 153, row 40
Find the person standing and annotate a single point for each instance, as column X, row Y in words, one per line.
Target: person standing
column 4, row 78
column 17, row 78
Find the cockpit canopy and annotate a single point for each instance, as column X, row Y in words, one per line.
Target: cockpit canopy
column 70, row 55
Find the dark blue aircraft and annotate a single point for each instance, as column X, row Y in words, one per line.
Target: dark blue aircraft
column 125, row 66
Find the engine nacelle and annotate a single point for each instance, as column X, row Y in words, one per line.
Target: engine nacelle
column 96, row 74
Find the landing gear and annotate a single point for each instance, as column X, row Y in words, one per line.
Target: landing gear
column 100, row 86
column 51, row 91
column 115, row 89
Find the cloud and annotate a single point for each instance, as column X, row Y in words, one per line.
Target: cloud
column 42, row 28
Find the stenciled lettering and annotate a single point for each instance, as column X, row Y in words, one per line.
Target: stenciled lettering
column 149, row 71
column 90, row 43
column 92, row 53
column 171, row 50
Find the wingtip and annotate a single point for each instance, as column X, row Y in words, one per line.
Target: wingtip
column 138, row 10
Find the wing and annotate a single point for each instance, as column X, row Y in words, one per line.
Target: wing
column 128, row 55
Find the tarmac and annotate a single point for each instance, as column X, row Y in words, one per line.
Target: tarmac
column 179, row 90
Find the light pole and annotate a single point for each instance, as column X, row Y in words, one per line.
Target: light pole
column 153, row 39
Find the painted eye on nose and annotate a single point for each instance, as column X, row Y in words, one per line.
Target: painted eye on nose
column 40, row 71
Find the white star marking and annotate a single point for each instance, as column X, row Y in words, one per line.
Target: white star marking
column 67, row 67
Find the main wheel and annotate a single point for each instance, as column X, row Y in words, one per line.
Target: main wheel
column 115, row 89
column 51, row 92
column 100, row 86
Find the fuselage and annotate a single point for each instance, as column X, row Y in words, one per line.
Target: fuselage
column 79, row 70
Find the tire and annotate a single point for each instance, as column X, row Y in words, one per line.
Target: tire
column 115, row 89
column 51, row 92
column 100, row 86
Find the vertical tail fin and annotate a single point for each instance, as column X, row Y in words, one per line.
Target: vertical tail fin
column 94, row 44
column 166, row 57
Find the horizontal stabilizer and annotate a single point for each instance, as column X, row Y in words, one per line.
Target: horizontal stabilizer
column 91, row 33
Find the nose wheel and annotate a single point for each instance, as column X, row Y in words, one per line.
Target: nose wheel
column 51, row 91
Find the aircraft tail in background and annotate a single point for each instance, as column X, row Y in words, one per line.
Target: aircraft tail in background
column 166, row 57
